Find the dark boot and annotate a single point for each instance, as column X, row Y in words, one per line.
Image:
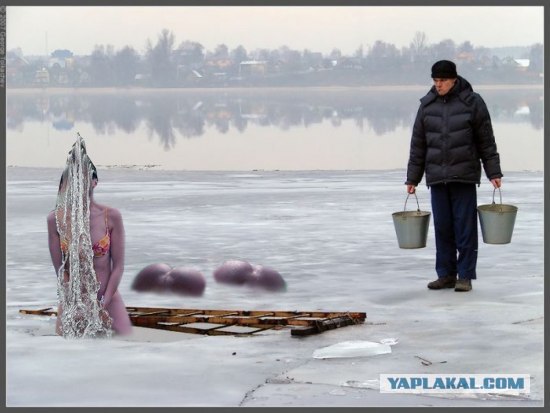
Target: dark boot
column 443, row 282
column 463, row 285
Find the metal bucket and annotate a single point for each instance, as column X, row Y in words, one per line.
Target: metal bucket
column 411, row 227
column 497, row 221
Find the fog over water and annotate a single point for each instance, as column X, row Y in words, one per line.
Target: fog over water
column 287, row 129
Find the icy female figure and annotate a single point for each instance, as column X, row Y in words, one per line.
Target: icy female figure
column 86, row 242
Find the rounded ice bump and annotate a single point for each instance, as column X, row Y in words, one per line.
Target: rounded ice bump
column 162, row 278
column 268, row 278
column 151, row 278
column 183, row 280
column 234, row 272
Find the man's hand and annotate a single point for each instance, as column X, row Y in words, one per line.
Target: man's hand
column 496, row 182
column 411, row 189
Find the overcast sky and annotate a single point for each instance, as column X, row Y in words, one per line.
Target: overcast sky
column 321, row 28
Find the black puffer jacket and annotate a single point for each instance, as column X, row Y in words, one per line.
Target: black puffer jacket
column 451, row 134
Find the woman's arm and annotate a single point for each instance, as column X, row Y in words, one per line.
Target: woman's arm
column 117, row 254
column 53, row 242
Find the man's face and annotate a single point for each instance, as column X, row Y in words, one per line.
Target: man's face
column 442, row 86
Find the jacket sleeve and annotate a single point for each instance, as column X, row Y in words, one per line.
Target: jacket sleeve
column 485, row 140
column 417, row 155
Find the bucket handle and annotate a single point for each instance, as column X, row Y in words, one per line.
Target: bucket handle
column 500, row 193
column 417, row 204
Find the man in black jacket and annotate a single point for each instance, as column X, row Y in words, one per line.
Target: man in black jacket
column 452, row 136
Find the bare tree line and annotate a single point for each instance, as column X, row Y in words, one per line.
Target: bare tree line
column 188, row 64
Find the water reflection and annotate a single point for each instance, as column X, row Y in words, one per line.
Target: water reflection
column 189, row 114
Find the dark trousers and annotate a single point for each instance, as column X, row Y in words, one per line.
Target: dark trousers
column 454, row 208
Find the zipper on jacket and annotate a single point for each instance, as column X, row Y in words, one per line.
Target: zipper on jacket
column 444, row 135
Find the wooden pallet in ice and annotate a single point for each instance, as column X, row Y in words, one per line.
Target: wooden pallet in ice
column 233, row 322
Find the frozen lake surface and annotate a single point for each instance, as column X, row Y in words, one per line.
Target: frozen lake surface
column 331, row 236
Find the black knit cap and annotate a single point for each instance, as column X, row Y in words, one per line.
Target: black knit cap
column 444, row 69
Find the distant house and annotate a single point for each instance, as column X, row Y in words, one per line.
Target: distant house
column 465, row 57
column 61, row 54
column 54, row 61
column 42, row 76
column 253, row 67
column 518, row 64
column 523, row 64
column 61, row 57
column 16, row 61
column 15, row 67
column 215, row 63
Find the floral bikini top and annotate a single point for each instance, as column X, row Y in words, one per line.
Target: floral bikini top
column 101, row 247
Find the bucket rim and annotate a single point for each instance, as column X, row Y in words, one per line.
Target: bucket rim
column 497, row 208
column 419, row 214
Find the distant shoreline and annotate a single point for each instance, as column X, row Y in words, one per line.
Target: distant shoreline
column 163, row 169
column 140, row 90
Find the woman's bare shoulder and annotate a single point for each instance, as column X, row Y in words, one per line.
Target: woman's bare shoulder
column 51, row 216
column 101, row 209
column 114, row 214
column 51, row 222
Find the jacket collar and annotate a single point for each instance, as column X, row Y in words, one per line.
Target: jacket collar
column 462, row 89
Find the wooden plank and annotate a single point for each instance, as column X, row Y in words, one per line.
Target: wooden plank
column 250, row 313
column 302, row 323
column 238, row 330
column 266, row 315
column 152, row 320
column 324, row 325
column 203, row 326
column 42, row 311
column 184, row 329
column 214, row 330
column 231, row 319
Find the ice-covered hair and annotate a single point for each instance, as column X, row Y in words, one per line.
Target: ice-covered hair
column 82, row 314
column 71, row 158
